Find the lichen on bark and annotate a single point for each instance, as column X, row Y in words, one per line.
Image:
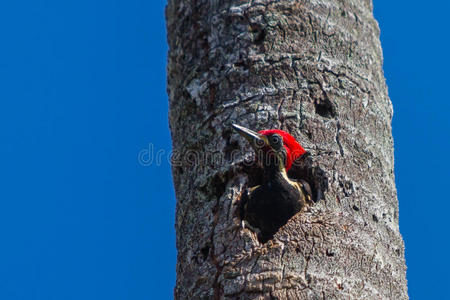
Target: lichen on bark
column 314, row 69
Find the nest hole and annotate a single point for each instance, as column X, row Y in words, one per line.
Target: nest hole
column 302, row 169
column 325, row 109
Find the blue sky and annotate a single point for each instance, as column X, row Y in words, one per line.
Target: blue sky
column 82, row 89
column 415, row 41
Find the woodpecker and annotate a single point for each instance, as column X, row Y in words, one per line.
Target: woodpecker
column 270, row 205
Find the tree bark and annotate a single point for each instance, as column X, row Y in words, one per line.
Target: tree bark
column 314, row 69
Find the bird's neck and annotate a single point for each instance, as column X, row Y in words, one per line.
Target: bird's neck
column 275, row 174
column 274, row 169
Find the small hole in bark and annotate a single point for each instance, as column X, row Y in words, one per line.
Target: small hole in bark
column 330, row 253
column 205, row 252
column 375, row 218
column 260, row 36
column 297, row 250
column 356, row 208
column 397, row 251
column 325, row 109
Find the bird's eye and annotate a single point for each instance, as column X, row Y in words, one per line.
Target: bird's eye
column 276, row 140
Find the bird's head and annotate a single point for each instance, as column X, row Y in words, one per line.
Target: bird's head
column 273, row 146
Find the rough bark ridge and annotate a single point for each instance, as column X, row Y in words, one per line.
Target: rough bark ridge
column 314, row 69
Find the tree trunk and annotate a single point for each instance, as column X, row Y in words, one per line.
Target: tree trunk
column 312, row 68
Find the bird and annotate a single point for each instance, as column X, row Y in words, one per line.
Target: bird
column 271, row 204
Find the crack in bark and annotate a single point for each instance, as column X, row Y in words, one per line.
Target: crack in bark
column 280, row 117
column 341, row 149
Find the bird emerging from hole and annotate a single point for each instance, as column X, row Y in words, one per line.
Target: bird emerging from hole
column 270, row 205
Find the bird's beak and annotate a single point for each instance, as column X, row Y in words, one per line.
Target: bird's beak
column 255, row 139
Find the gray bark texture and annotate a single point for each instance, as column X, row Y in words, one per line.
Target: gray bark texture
column 312, row 68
